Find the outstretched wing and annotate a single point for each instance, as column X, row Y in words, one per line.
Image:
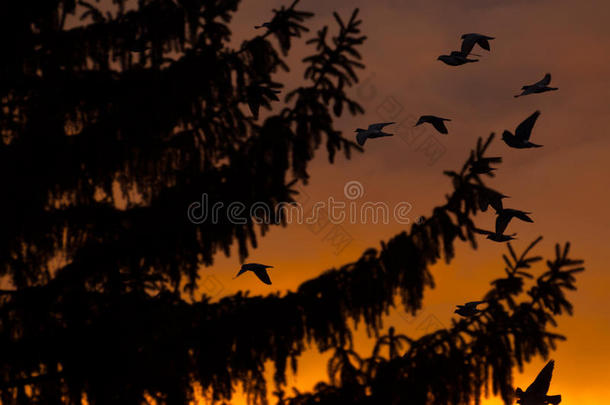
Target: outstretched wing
column 541, row 384
column 241, row 271
column 524, row 130
column 496, row 202
column 380, row 134
column 379, row 126
column 263, row 276
column 255, row 266
column 522, row 215
column 468, row 43
column 502, row 222
column 482, row 231
column 361, row 138
column 545, row 81
column 440, row 126
column 483, row 43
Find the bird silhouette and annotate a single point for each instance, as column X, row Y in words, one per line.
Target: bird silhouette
column 502, row 220
column 470, row 40
column 259, row 269
column 265, row 24
column 506, row 214
column 468, row 309
column 489, row 197
column 535, row 394
column 456, row 58
column 541, row 86
column 437, row 122
column 520, row 139
column 373, row 131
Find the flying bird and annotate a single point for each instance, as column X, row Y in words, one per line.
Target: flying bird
column 502, row 220
column 541, row 86
column 522, row 134
column 535, row 394
column 259, row 269
column 495, row 236
column 470, row 40
column 491, row 197
column 373, row 131
column 456, row 58
column 506, row 214
column 437, row 122
column 468, row 309
column 265, row 24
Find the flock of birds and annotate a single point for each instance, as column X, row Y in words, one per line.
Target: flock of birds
column 536, row 393
column 519, row 140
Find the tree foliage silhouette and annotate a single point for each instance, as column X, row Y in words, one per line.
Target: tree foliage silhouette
column 454, row 365
column 112, row 128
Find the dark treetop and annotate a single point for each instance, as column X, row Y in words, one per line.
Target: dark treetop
column 112, row 128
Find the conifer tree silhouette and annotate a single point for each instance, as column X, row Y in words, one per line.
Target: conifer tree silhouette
column 113, row 127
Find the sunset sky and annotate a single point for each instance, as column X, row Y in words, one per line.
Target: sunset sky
column 564, row 184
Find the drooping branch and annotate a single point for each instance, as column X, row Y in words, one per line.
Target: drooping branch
column 249, row 330
column 456, row 365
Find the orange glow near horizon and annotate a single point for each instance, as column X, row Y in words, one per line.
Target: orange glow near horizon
column 564, row 184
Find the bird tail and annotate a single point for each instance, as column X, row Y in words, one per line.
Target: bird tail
column 534, row 145
column 360, row 137
column 553, row 399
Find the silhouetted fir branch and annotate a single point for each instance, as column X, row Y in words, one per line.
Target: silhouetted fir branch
column 210, row 335
column 159, row 120
column 454, row 366
column 153, row 100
